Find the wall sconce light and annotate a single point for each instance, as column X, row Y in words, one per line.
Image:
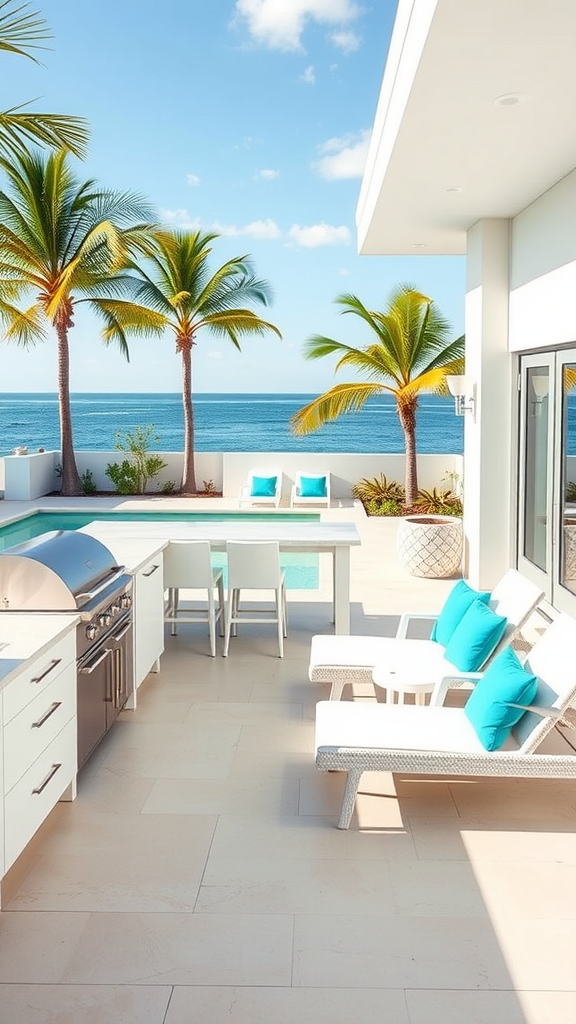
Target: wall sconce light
column 462, row 388
column 540, row 385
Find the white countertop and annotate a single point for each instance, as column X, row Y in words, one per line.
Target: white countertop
column 123, row 538
column 126, row 543
column 27, row 635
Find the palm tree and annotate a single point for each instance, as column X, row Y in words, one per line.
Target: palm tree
column 178, row 284
column 22, row 31
column 65, row 242
column 410, row 354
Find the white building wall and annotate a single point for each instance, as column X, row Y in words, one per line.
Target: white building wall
column 543, row 270
column 489, row 441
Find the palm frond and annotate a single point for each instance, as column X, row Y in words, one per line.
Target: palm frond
column 341, row 399
column 22, row 30
column 18, row 129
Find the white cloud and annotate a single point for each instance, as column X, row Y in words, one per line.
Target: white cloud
column 180, row 219
column 308, row 76
column 262, row 229
column 214, row 355
column 315, row 235
column 192, row 179
column 348, row 42
column 267, row 174
column 344, row 272
column 279, row 24
column 343, row 158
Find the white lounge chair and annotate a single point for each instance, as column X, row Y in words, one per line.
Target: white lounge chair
column 263, row 487
column 356, row 737
column 311, row 489
column 341, row 659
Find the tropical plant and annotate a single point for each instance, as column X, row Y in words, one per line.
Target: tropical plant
column 440, row 503
column 571, row 491
column 22, row 31
column 410, row 354
column 178, row 285
column 65, row 242
column 131, row 476
column 378, row 488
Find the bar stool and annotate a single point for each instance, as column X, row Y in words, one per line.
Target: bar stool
column 188, row 565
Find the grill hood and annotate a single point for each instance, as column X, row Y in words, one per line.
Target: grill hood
column 58, row 571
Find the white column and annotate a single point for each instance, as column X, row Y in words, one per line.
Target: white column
column 489, row 471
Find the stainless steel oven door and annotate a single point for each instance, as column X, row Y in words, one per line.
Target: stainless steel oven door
column 119, row 644
column 105, row 680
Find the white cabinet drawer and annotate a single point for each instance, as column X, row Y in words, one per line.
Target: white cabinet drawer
column 32, row 798
column 34, row 728
column 38, row 675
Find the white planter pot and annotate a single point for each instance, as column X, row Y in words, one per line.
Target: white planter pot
column 430, row 545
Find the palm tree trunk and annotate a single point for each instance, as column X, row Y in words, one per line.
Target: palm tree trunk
column 188, row 474
column 71, row 483
column 407, row 416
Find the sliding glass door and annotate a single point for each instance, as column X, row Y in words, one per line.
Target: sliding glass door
column 547, row 475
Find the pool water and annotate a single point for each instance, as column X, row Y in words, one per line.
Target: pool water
column 301, row 567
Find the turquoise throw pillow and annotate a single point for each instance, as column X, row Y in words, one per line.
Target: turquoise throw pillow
column 312, row 486
column 456, row 605
column 488, row 708
column 263, row 486
column 475, row 637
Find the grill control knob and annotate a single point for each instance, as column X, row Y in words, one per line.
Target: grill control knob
column 126, row 601
column 91, row 631
column 105, row 619
column 114, row 609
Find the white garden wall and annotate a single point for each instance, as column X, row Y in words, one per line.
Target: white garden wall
column 35, row 475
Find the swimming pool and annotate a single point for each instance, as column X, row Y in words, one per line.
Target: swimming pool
column 301, row 567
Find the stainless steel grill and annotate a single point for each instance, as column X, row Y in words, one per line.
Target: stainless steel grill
column 59, row 571
column 67, row 571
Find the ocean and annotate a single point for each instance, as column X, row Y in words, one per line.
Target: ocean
column 224, row 422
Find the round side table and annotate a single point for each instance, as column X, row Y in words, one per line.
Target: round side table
column 400, row 681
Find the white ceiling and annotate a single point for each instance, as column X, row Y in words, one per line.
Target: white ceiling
column 438, row 128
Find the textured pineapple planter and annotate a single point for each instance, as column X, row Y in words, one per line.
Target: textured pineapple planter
column 430, row 545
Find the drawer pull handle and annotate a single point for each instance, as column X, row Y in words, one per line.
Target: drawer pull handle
column 51, row 667
column 38, row 725
column 152, row 571
column 45, row 782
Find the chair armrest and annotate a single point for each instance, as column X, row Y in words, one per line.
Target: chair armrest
column 452, row 682
column 407, row 617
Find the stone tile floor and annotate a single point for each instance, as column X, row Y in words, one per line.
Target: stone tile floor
column 199, row 876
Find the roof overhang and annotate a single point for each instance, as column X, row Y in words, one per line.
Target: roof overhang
column 476, row 118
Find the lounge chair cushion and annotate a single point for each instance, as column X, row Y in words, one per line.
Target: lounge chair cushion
column 312, row 486
column 475, row 637
column 456, row 605
column 488, row 708
column 263, row 486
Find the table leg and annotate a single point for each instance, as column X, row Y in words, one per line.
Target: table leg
column 341, row 579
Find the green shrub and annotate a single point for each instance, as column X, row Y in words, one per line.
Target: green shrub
column 131, row 476
column 383, row 507
column 88, row 482
column 571, row 491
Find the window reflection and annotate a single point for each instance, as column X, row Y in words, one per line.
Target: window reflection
column 536, row 467
column 568, row 535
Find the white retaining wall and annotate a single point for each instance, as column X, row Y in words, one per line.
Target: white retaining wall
column 30, row 476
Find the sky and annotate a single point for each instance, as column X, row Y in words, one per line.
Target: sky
column 250, row 118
